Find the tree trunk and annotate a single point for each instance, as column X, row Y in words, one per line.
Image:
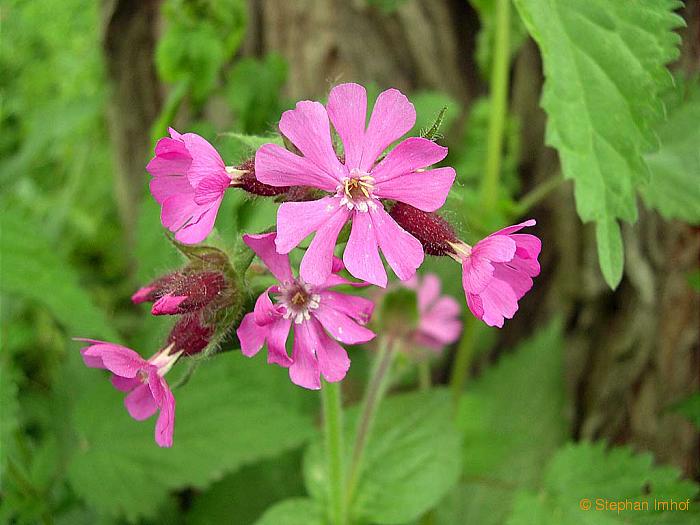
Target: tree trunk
column 631, row 353
column 129, row 48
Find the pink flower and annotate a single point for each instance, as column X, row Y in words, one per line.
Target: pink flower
column 358, row 184
column 143, row 380
column 497, row 272
column 439, row 321
column 320, row 317
column 189, row 181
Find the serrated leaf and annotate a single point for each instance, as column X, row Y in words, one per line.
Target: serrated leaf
column 587, row 470
column 611, row 252
column 674, row 186
column 503, row 449
column 412, row 459
column 33, row 269
column 604, row 70
column 232, row 412
column 296, row 511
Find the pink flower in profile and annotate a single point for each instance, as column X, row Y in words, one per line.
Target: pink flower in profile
column 497, row 272
column 358, row 184
column 320, row 317
column 142, row 379
column 189, row 181
column 439, row 321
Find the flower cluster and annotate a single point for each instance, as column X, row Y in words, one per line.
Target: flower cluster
column 388, row 195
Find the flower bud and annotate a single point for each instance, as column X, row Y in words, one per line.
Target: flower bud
column 190, row 335
column 154, row 290
column 182, row 292
column 243, row 177
column 434, row 232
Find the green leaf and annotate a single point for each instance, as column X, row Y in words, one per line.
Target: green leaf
column 690, row 409
column 674, row 186
column 587, row 470
column 248, row 492
column 412, row 459
column 503, row 449
column 604, row 65
column 34, row 269
column 233, row 411
column 296, row 511
column 611, row 254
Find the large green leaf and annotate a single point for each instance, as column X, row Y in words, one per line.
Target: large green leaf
column 674, row 187
column 604, row 65
column 234, row 411
column 512, row 422
column 412, row 459
column 590, row 471
column 34, row 269
column 296, row 511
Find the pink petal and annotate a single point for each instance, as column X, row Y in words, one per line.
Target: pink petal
column 361, row 256
column 528, row 246
column 297, row 220
column 125, row 384
column 276, row 166
column 264, row 247
column 425, row 190
column 520, row 282
column 117, row 359
column 358, row 308
column 338, row 265
column 333, row 360
column 340, row 326
column 211, row 188
column 495, row 248
column 265, row 311
column 172, row 158
column 304, row 371
column 516, row 227
column 142, row 294
column 140, row 403
column 251, row 335
column 499, row 302
column 442, row 322
column 168, row 305
column 164, row 187
column 477, row 273
column 530, row 267
column 200, row 228
column 393, row 116
column 317, row 263
column 165, row 425
column 475, row 305
column 206, row 161
column 276, row 343
column 308, row 128
column 347, row 109
column 428, row 292
column 178, row 210
column 402, row 251
column 408, row 156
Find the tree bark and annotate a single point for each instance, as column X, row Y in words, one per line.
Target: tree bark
column 129, row 40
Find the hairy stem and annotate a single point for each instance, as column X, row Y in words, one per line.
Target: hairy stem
column 376, row 388
column 498, row 106
column 333, row 438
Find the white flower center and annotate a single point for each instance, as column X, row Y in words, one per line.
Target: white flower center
column 298, row 298
column 356, row 191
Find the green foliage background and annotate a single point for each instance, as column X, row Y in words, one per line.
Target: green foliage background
column 247, row 446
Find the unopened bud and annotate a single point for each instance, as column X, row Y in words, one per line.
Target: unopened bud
column 190, row 335
column 435, row 234
column 243, row 177
column 154, row 290
column 182, row 292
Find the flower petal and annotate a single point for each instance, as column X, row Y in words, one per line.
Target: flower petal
column 519, row 281
column 165, row 425
column 199, row 229
column 276, row 166
column 304, row 371
column 211, row 188
column 347, row 109
column 297, row 220
column 425, row 190
column 402, row 251
column 117, row 359
column 171, row 158
column 251, row 335
column 477, row 273
column 206, row 161
column 410, row 155
column 358, row 308
column 140, row 403
column 308, row 128
column 499, row 302
column 428, row 291
column 276, row 343
column 333, row 360
column 164, row 187
column 168, row 305
column 264, row 247
column 495, row 248
column 125, row 384
column 516, row 227
column 393, row 116
column 317, row 263
column 178, row 210
column 340, row 326
column 265, row 311
column 528, row 246
column 361, row 256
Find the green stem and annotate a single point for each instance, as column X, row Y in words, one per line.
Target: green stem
column 460, row 367
column 538, row 193
column 333, row 437
column 498, row 106
column 424, row 380
column 376, row 388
